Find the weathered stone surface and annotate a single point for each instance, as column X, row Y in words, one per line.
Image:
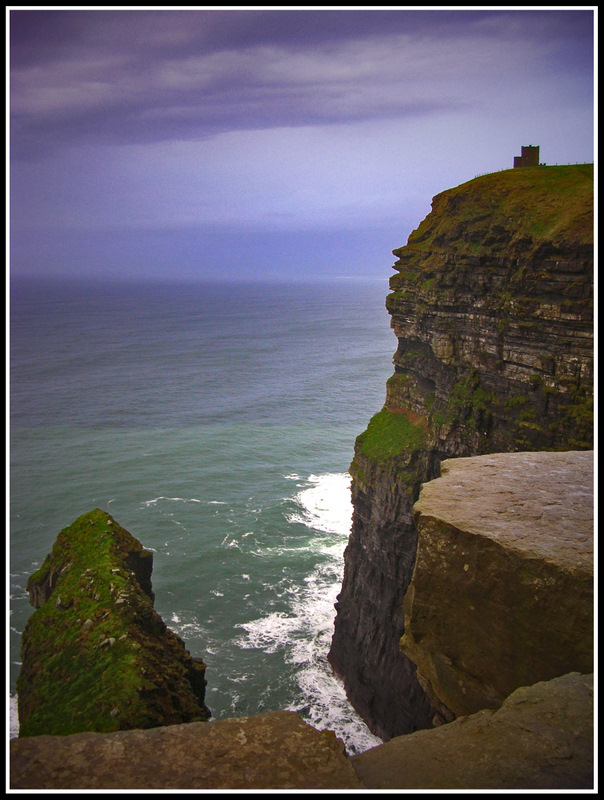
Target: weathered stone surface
column 96, row 656
column 492, row 308
column 275, row 750
column 540, row 738
column 502, row 591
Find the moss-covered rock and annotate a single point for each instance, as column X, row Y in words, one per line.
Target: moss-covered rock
column 96, row 656
column 392, row 435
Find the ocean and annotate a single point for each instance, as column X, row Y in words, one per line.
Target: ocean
column 216, row 423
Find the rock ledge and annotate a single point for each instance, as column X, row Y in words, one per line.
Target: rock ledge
column 502, row 591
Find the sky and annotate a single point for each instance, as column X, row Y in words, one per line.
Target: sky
column 272, row 144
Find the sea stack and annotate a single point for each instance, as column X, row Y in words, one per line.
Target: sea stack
column 96, row 656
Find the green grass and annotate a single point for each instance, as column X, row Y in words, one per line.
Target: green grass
column 533, row 205
column 390, row 435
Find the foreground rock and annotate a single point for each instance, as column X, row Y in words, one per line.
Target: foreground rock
column 266, row 751
column 502, row 591
column 96, row 656
column 540, row 738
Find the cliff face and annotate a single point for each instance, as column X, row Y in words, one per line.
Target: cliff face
column 96, row 656
column 492, row 307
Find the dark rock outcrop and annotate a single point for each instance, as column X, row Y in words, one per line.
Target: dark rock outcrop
column 96, row 656
column 492, row 307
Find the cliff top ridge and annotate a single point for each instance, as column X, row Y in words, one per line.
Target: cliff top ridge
column 516, row 210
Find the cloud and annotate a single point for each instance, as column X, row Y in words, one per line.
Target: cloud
column 278, row 122
column 139, row 77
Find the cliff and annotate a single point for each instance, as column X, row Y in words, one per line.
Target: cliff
column 96, row 656
column 492, row 307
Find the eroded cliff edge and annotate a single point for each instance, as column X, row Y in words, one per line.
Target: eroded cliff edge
column 96, row 656
column 492, row 307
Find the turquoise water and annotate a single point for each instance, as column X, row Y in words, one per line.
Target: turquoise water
column 215, row 422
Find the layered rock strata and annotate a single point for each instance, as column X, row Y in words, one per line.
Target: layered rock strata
column 492, row 307
column 502, row 591
column 96, row 656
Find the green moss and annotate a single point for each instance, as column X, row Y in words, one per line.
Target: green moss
column 398, row 379
column 390, row 435
column 73, row 663
column 515, row 401
column 90, row 652
column 470, row 404
column 396, row 297
column 438, row 419
column 428, row 285
column 356, row 473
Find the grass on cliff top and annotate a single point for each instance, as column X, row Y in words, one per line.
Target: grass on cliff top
column 74, row 682
column 539, row 204
column 390, row 435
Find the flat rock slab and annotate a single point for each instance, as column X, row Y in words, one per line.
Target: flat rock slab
column 538, row 503
column 540, row 738
column 502, row 590
column 276, row 750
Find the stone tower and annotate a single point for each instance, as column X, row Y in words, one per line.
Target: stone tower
column 529, row 157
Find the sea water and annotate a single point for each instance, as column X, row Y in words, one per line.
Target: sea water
column 215, row 422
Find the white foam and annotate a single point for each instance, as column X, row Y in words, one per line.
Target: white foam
column 326, row 707
column 269, row 633
column 304, row 631
column 156, row 500
column 325, row 505
column 13, row 717
column 230, row 542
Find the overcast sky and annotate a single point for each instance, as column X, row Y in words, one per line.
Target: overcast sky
column 272, row 143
